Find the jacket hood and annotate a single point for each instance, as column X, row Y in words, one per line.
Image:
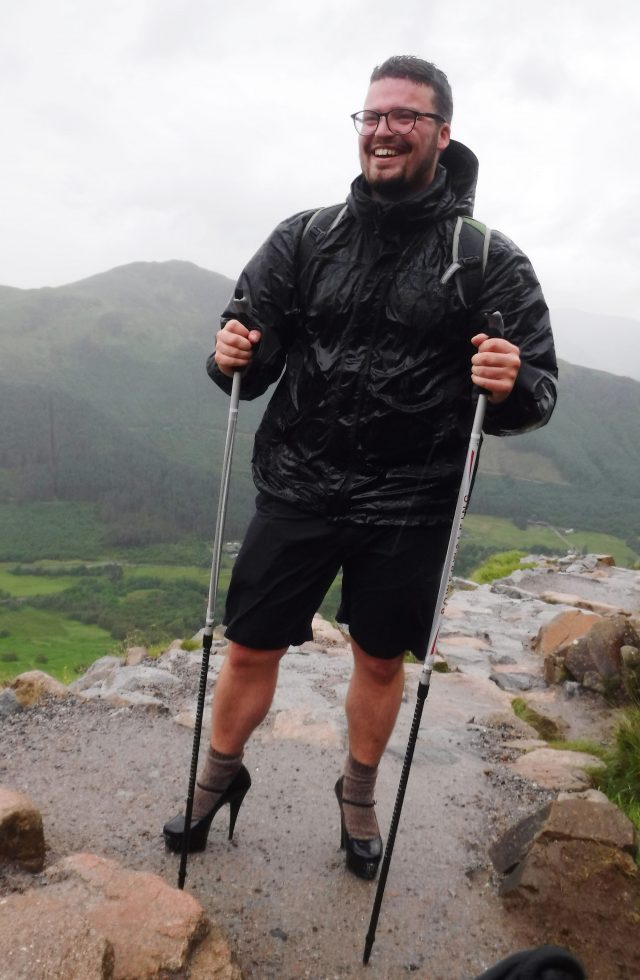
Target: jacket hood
column 452, row 192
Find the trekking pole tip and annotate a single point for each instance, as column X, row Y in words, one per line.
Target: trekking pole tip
column 368, row 946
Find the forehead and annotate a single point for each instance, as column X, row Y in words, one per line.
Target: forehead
column 387, row 93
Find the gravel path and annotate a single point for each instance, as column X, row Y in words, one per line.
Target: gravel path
column 107, row 778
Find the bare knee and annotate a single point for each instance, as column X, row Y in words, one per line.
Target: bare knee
column 243, row 658
column 377, row 670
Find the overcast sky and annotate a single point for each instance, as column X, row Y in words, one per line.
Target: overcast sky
column 160, row 129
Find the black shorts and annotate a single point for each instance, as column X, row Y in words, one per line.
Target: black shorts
column 289, row 559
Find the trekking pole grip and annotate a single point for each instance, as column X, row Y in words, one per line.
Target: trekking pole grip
column 495, row 324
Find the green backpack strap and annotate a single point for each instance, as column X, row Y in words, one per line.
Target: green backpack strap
column 469, row 253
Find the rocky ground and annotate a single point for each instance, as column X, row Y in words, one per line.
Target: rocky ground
column 106, row 776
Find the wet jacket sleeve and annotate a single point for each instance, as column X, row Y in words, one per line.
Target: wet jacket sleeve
column 267, row 288
column 510, row 286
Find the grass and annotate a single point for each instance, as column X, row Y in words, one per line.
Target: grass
column 619, row 778
column 546, row 728
column 25, row 586
column 587, row 745
column 499, row 566
column 503, row 535
column 48, row 641
column 173, row 573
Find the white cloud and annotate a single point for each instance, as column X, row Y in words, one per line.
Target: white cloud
column 158, row 129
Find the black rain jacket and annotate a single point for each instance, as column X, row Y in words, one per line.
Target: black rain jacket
column 371, row 418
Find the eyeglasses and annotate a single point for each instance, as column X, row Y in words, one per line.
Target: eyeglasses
column 400, row 121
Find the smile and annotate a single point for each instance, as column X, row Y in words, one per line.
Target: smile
column 385, row 151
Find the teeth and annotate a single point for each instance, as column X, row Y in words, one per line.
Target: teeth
column 382, row 151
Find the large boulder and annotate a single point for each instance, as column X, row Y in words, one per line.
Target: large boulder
column 94, row 920
column 21, row 832
column 120, row 685
column 598, row 651
column 588, row 816
column 562, row 630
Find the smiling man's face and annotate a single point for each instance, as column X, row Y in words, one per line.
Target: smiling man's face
column 395, row 166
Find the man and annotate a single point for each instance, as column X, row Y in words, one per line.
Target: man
column 359, row 455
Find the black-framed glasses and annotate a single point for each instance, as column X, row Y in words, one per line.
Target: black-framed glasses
column 400, row 121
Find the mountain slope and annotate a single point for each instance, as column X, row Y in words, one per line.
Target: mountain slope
column 104, row 397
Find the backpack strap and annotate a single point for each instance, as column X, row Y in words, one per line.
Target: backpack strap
column 469, row 253
column 325, row 220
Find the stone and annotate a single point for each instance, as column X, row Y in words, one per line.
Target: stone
column 34, row 685
column 589, row 816
column 516, row 682
column 502, row 659
column 187, row 718
column 511, row 847
column 506, row 719
column 599, row 649
column 592, row 681
column 96, row 673
column 558, row 871
column 590, row 820
column 511, row 591
column 327, row 635
column 21, row 832
column 605, row 561
column 135, row 655
column 570, row 599
column 9, row 703
column 554, row 671
column 213, row 959
column 630, row 657
column 151, row 926
column 304, row 726
column 556, row 769
column 562, row 630
column 94, row 920
column 140, row 679
column 42, row 937
column 131, row 700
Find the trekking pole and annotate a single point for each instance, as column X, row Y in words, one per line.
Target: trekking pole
column 494, row 329
column 207, row 637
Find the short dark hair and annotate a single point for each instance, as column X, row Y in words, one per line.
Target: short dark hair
column 423, row 72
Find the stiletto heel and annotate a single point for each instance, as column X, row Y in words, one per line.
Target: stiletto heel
column 235, row 802
column 363, row 856
column 234, row 794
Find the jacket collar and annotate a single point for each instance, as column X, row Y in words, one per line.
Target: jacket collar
column 452, row 192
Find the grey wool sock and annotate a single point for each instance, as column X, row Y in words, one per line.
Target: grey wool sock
column 359, row 786
column 213, row 779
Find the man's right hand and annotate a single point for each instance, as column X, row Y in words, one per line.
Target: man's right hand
column 234, row 346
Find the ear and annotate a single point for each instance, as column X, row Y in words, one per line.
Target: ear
column 444, row 136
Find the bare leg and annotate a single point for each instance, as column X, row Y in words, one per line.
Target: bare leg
column 242, row 696
column 372, row 705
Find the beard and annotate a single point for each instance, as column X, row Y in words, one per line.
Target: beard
column 396, row 187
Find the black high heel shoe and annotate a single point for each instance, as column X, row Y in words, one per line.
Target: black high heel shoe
column 363, row 856
column 234, row 794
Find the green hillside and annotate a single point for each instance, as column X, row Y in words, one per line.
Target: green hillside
column 105, row 404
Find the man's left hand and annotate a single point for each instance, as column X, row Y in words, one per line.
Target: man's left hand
column 495, row 366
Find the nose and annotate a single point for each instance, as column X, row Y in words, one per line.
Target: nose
column 383, row 127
